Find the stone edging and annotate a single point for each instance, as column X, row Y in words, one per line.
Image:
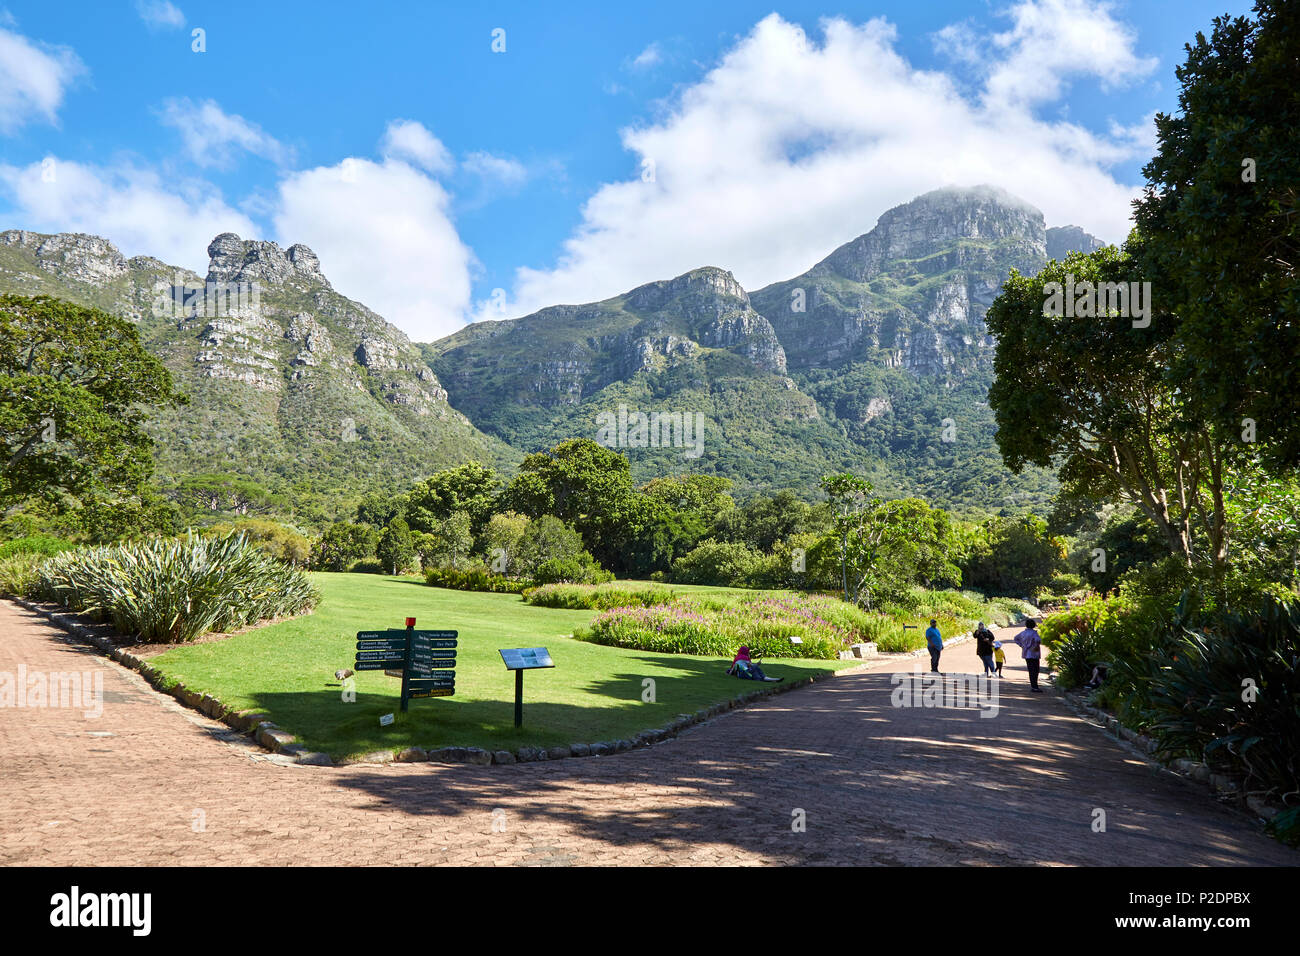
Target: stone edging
column 1219, row 783
column 271, row 737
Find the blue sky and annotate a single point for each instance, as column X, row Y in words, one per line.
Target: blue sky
column 608, row 145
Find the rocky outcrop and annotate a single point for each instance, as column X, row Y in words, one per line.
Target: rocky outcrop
column 279, row 367
column 232, row 259
column 912, row 292
column 75, row 256
column 1062, row 240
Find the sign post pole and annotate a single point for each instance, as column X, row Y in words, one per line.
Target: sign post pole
column 406, row 663
column 520, row 659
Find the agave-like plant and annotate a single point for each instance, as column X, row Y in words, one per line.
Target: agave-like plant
column 168, row 591
column 1228, row 691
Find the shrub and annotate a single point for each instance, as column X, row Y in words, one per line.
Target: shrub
column 599, row 596
column 1073, row 658
column 579, row 569
column 18, row 574
column 718, row 626
column 39, row 544
column 167, row 591
column 720, row 563
column 473, row 579
column 366, row 566
column 279, row 541
column 1196, row 700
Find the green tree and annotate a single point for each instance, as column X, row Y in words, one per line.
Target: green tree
column 471, row 488
column 884, row 547
column 451, row 540
column 547, row 539
column 76, row 385
column 396, row 548
column 1013, row 556
column 1088, row 392
column 378, row 509
column 343, row 543
column 590, row 488
column 500, row 541
column 1221, row 219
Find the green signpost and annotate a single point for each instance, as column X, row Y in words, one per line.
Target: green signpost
column 425, row 660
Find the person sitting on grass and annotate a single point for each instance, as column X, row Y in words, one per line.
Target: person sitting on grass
column 744, row 667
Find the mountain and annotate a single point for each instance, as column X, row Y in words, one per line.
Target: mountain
column 875, row 359
column 692, row 345
column 293, row 386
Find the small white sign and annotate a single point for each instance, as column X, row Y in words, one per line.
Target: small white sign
column 385, row 720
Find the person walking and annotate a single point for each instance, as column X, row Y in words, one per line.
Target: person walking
column 934, row 641
column 984, row 649
column 1031, row 649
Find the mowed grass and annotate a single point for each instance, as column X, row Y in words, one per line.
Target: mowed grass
column 592, row 694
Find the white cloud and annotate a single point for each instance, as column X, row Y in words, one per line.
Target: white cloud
column 213, row 137
column 384, row 238
column 790, row 147
column 498, row 169
column 33, row 79
column 411, row 141
column 1051, row 40
column 134, row 208
column 159, row 14
column 650, row 56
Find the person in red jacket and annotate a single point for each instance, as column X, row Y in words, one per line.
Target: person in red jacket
column 743, row 666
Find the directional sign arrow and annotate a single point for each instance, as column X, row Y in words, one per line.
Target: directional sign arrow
column 378, row 665
column 419, row 665
column 385, row 645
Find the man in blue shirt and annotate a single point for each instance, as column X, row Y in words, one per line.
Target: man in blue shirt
column 935, row 642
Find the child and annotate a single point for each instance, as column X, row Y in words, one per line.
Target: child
column 999, row 656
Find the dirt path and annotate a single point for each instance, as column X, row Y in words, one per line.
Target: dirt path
column 150, row 782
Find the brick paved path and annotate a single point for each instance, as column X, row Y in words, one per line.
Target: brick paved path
column 150, row 782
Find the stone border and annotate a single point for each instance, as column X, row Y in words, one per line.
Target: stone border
column 1145, row 747
column 258, row 725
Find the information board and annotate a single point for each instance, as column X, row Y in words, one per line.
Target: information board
column 526, row 658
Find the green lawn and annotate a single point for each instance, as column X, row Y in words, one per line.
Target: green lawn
column 593, row 693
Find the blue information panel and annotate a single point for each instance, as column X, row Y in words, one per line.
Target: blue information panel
column 526, row 658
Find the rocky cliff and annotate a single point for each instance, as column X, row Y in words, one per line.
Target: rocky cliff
column 291, row 383
column 856, row 363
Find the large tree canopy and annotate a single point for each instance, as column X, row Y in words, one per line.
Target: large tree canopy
column 1222, row 222
column 1089, row 391
column 75, row 387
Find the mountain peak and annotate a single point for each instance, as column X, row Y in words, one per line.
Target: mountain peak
column 708, row 280
column 913, row 229
column 231, row 259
